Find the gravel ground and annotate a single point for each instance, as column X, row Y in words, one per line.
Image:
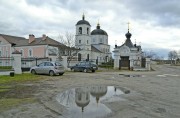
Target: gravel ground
column 155, row 94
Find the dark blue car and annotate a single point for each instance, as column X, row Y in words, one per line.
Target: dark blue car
column 85, row 66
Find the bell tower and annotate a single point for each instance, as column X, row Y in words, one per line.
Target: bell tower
column 83, row 35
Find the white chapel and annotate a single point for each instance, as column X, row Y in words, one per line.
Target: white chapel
column 128, row 55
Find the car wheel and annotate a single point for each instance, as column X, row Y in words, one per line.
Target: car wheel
column 85, row 70
column 61, row 73
column 93, row 71
column 33, row 72
column 51, row 73
column 73, row 70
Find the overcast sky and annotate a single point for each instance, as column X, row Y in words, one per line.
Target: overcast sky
column 155, row 24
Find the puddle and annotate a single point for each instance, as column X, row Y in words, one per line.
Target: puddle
column 87, row 102
column 131, row 75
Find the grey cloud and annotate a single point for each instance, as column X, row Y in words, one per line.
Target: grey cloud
column 164, row 13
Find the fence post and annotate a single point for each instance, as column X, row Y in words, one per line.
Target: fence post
column 17, row 62
column 64, row 62
column 148, row 63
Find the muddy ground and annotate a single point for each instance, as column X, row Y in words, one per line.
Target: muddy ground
column 154, row 94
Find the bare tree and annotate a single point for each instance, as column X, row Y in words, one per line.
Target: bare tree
column 172, row 55
column 68, row 39
column 69, row 50
column 149, row 54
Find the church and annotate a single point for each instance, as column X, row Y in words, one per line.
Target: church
column 128, row 55
column 93, row 45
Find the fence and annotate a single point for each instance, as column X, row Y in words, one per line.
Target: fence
column 6, row 61
column 27, row 63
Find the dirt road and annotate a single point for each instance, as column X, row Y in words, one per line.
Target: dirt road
column 154, row 94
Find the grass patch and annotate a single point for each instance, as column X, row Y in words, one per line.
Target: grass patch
column 6, row 104
column 4, row 79
column 4, row 88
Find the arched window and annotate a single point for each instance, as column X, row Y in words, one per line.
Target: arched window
column 87, row 57
column 80, row 30
column 87, row 30
column 79, row 57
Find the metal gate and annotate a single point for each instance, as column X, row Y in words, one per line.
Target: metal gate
column 124, row 63
column 143, row 62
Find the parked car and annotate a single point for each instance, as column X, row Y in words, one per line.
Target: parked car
column 85, row 66
column 51, row 68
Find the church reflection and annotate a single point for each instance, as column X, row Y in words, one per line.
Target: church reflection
column 88, row 101
column 82, row 97
column 98, row 92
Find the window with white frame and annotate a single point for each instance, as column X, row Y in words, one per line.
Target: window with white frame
column 22, row 52
column 30, row 53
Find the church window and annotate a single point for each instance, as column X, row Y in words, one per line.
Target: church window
column 79, row 97
column 80, row 30
column 87, row 41
column 87, row 96
column 87, row 30
column 79, row 41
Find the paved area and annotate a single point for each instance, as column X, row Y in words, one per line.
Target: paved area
column 154, row 94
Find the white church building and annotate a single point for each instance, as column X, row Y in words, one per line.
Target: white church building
column 93, row 45
column 128, row 55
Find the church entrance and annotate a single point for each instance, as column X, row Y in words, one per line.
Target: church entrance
column 143, row 62
column 124, row 63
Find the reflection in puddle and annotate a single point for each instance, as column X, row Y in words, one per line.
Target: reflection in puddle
column 86, row 102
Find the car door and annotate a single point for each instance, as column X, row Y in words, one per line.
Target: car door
column 48, row 66
column 82, row 66
column 39, row 68
column 78, row 67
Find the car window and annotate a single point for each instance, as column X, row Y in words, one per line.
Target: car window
column 48, row 64
column 83, row 63
column 58, row 64
column 40, row 65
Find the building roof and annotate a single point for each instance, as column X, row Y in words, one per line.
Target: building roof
column 95, row 49
column 21, row 41
column 83, row 21
column 98, row 31
column 128, row 43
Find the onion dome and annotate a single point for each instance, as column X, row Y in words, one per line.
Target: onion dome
column 128, row 35
column 83, row 21
column 98, row 31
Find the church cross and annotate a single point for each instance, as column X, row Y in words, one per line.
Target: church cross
column 128, row 25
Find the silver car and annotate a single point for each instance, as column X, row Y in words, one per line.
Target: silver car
column 51, row 68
